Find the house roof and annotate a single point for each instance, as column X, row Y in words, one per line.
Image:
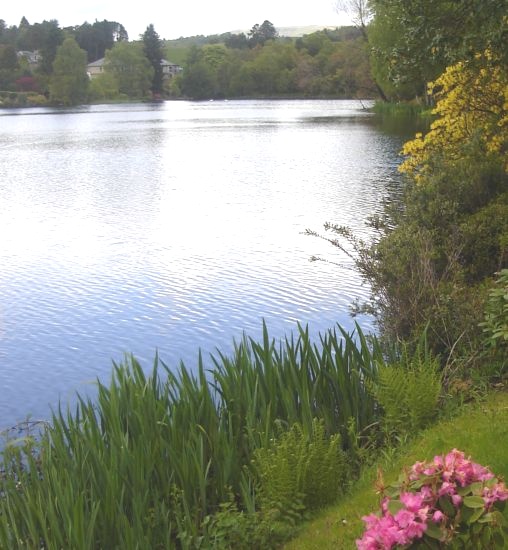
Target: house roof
column 100, row 63
column 97, row 63
column 166, row 62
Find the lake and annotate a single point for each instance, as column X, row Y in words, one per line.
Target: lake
column 173, row 227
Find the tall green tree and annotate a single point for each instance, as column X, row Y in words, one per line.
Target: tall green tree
column 51, row 36
column 259, row 34
column 361, row 12
column 9, row 67
column 131, row 69
column 153, row 51
column 98, row 37
column 69, row 81
column 414, row 41
column 199, row 80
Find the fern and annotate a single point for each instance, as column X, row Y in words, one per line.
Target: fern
column 408, row 393
column 301, row 471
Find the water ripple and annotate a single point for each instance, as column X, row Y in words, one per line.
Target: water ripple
column 173, row 227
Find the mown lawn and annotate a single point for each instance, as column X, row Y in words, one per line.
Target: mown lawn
column 481, row 431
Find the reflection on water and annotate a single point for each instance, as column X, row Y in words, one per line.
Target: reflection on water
column 172, row 227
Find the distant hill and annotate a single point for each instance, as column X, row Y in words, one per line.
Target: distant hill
column 294, row 32
column 176, row 50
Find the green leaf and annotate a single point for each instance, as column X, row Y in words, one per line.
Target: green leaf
column 395, row 506
column 469, row 489
column 474, row 502
column 434, row 531
column 499, row 539
column 487, row 518
column 429, row 543
column 447, row 506
column 475, row 516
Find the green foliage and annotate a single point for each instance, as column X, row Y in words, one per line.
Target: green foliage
column 301, row 471
column 103, row 87
column 131, row 69
column 69, row 81
column 413, row 42
column 435, row 247
column 495, row 323
column 152, row 48
column 98, row 37
column 259, row 34
column 317, row 65
column 408, row 393
column 150, row 458
column 480, row 429
column 52, row 36
column 232, row 529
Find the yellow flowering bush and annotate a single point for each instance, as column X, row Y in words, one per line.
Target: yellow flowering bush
column 472, row 102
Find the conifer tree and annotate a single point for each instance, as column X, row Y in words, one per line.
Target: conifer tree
column 153, row 51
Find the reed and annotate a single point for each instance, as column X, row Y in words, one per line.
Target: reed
column 151, row 458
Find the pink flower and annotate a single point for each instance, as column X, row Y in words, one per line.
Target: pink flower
column 415, row 530
column 423, row 513
column 404, row 517
column 382, row 533
column 438, row 462
column 371, row 520
column 445, row 475
column 412, row 501
column 497, row 492
column 446, row 488
column 427, row 494
column 456, row 500
column 438, row 516
column 417, row 470
column 479, row 473
column 367, row 542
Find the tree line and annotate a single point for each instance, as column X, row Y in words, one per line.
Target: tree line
column 59, row 74
column 328, row 63
column 394, row 50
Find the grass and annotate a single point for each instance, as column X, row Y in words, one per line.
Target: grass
column 481, row 431
column 404, row 109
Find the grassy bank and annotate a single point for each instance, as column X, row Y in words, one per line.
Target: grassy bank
column 235, row 457
column 480, row 430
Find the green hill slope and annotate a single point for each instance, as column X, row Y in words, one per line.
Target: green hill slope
column 481, row 431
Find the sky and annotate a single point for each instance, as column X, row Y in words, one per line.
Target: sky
column 175, row 19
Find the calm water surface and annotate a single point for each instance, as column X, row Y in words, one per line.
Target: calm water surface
column 172, row 227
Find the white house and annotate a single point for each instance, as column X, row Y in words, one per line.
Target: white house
column 95, row 68
column 169, row 70
column 33, row 58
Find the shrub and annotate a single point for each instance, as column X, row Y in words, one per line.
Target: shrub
column 449, row 500
column 408, row 393
column 495, row 324
column 472, row 103
column 301, row 471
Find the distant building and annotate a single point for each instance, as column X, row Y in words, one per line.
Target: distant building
column 95, row 68
column 169, row 70
column 33, row 58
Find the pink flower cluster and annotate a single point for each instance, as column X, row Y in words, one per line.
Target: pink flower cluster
column 401, row 528
column 446, row 476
